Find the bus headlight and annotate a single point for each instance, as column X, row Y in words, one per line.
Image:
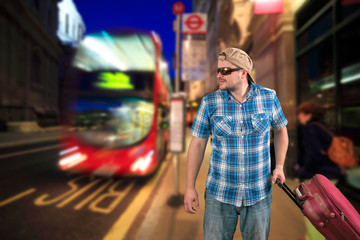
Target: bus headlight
column 71, row 160
column 142, row 163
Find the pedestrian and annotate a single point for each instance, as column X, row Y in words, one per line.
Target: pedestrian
column 315, row 141
column 238, row 117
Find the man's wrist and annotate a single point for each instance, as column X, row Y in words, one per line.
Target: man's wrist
column 190, row 186
column 279, row 166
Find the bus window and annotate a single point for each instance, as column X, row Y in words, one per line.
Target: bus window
column 113, row 122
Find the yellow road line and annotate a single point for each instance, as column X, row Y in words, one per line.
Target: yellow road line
column 16, row 197
column 123, row 224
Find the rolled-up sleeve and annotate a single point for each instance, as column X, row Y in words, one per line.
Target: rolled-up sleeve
column 201, row 125
column 278, row 117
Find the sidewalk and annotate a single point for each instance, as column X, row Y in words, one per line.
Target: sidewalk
column 165, row 222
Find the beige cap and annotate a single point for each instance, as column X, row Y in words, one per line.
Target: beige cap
column 239, row 58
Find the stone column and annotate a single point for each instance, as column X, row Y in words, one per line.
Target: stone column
column 273, row 54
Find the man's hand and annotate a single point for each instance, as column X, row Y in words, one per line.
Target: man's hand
column 278, row 173
column 190, row 197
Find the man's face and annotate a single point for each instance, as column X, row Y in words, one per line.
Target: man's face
column 229, row 82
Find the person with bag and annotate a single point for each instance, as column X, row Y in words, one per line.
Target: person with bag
column 315, row 143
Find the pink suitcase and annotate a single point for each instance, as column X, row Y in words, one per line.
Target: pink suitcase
column 326, row 208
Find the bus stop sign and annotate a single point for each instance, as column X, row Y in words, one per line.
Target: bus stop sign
column 178, row 8
column 194, row 23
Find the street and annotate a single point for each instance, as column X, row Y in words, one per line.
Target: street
column 95, row 94
column 38, row 201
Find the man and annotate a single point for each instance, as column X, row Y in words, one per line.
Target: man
column 238, row 118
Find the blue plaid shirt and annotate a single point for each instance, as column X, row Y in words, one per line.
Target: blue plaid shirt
column 239, row 170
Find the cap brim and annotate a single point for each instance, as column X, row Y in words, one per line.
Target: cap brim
column 250, row 79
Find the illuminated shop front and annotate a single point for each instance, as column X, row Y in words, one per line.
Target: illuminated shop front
column 328, row 61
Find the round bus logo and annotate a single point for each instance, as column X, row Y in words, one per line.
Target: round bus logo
column 194, row 22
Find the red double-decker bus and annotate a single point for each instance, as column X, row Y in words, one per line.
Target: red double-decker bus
column 117, row 105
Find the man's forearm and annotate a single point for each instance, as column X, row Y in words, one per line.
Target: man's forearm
column 194, row 160
column 281, row 142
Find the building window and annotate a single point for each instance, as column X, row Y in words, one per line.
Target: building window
column 349, row 63
column 328, row 62
column 79, row 32
column 36, row 5
column 321, row 26
column 67, row 23
column 21, row 58
column 49, row 18
column 74, row 32
column 36, row 68
column 347, row 8
column 11, row 39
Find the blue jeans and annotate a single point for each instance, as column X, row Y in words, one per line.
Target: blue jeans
column 220, row 219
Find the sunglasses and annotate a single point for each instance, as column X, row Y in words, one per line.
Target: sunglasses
column 227, row 70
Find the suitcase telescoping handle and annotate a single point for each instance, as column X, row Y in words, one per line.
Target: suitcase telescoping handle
column 290, row 193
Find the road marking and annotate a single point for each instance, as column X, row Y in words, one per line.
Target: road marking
column 93, row 195
column 123, row 224
column 44, row 199
column 116, row 195
column 18, row 196
column 78, row 193
column 29, row 151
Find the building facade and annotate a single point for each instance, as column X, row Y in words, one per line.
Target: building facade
column 307, row 52
column 29, row 61
column 37, row 42
column 70, row 32
column 71, row 25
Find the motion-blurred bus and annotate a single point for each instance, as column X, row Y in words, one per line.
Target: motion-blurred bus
column 117, row 105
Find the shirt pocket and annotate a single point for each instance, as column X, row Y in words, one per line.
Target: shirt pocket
column 260, row 122
column 222, row 125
